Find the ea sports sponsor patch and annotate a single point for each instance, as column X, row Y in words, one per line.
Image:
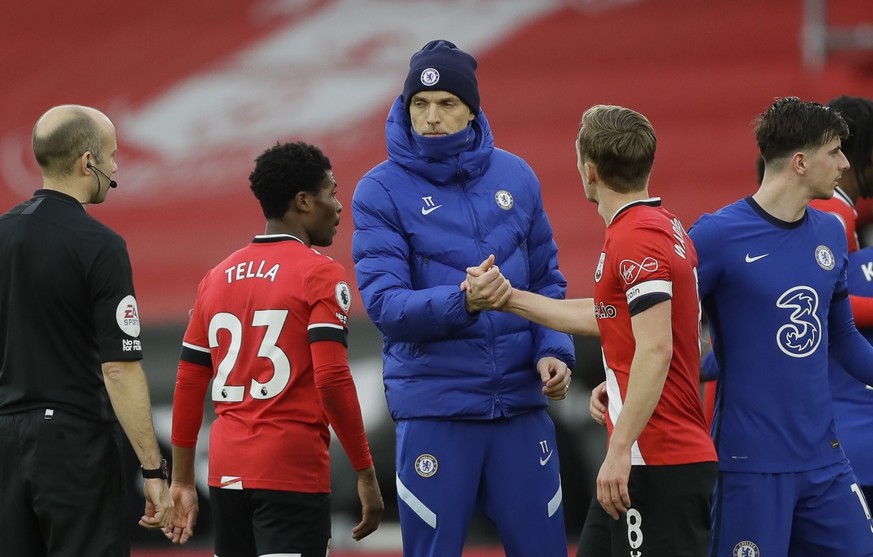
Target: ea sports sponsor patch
column 127, row 316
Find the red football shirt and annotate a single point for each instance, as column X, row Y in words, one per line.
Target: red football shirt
column 254, row 330
column 841, row 206
column 647, row 258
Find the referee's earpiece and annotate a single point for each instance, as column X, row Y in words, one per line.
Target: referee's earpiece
column 112, row 183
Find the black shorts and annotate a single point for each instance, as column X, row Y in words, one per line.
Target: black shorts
column 669, row 515
column 252, row 522
column 61, row 488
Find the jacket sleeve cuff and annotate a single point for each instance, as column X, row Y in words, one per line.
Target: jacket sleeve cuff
column 454, row 306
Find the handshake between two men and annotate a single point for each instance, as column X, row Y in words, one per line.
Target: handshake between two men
column 488, row 289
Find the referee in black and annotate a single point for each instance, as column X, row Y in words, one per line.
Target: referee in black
column 70, row 357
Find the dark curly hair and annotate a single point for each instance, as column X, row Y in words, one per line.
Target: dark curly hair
column 283, row 171
column 858, row 114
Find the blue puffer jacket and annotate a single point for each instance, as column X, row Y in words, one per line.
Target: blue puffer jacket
column 420, row 221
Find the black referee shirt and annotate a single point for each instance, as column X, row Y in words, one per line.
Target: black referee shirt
column 67, row 304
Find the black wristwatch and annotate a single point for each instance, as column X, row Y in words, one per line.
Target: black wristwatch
column 160, row 472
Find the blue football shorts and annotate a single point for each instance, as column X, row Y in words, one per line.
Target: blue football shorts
column 507, row 469
column 819, row 512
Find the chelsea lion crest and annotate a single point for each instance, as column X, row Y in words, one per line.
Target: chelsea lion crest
column 825, row 258
column 426, row 465
column 503, row 199
column 746, row 549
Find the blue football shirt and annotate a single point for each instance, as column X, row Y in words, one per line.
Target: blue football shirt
column 853, row 400
column 766, row 286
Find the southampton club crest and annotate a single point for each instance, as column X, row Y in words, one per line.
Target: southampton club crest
column 598, row 273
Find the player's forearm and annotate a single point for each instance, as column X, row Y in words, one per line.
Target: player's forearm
column 574, row 316
column 344, row 414
column 648, row 374
column 183, row 465
column 653, row 352
column 339, row 397
column 128, row 391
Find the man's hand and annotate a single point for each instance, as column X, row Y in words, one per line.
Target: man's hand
column 556, row 377
column 597, row 403
column 372, row 506
column 158, row 504
column 185, row 511
column 612, row 481
column 486, row 287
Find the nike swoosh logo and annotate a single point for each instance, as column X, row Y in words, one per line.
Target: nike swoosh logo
column 545, row 459
column 429, row 211
column 750, row 259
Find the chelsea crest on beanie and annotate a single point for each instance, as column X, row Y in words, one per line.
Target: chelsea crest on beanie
column 442, row 66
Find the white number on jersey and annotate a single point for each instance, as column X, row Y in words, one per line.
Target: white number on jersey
column 273, row 320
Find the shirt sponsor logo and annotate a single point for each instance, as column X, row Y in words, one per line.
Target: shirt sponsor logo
column 127, row 316
column 602, row 311
column 801, row 335
column 631, row 270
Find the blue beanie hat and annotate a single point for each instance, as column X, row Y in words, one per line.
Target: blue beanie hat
column 441, row 66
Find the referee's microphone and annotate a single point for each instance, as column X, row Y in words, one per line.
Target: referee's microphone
column 112, row 183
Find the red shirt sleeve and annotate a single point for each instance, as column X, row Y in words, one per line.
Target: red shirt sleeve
column 192, row 381
column 862, row 310
column 340, row 400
